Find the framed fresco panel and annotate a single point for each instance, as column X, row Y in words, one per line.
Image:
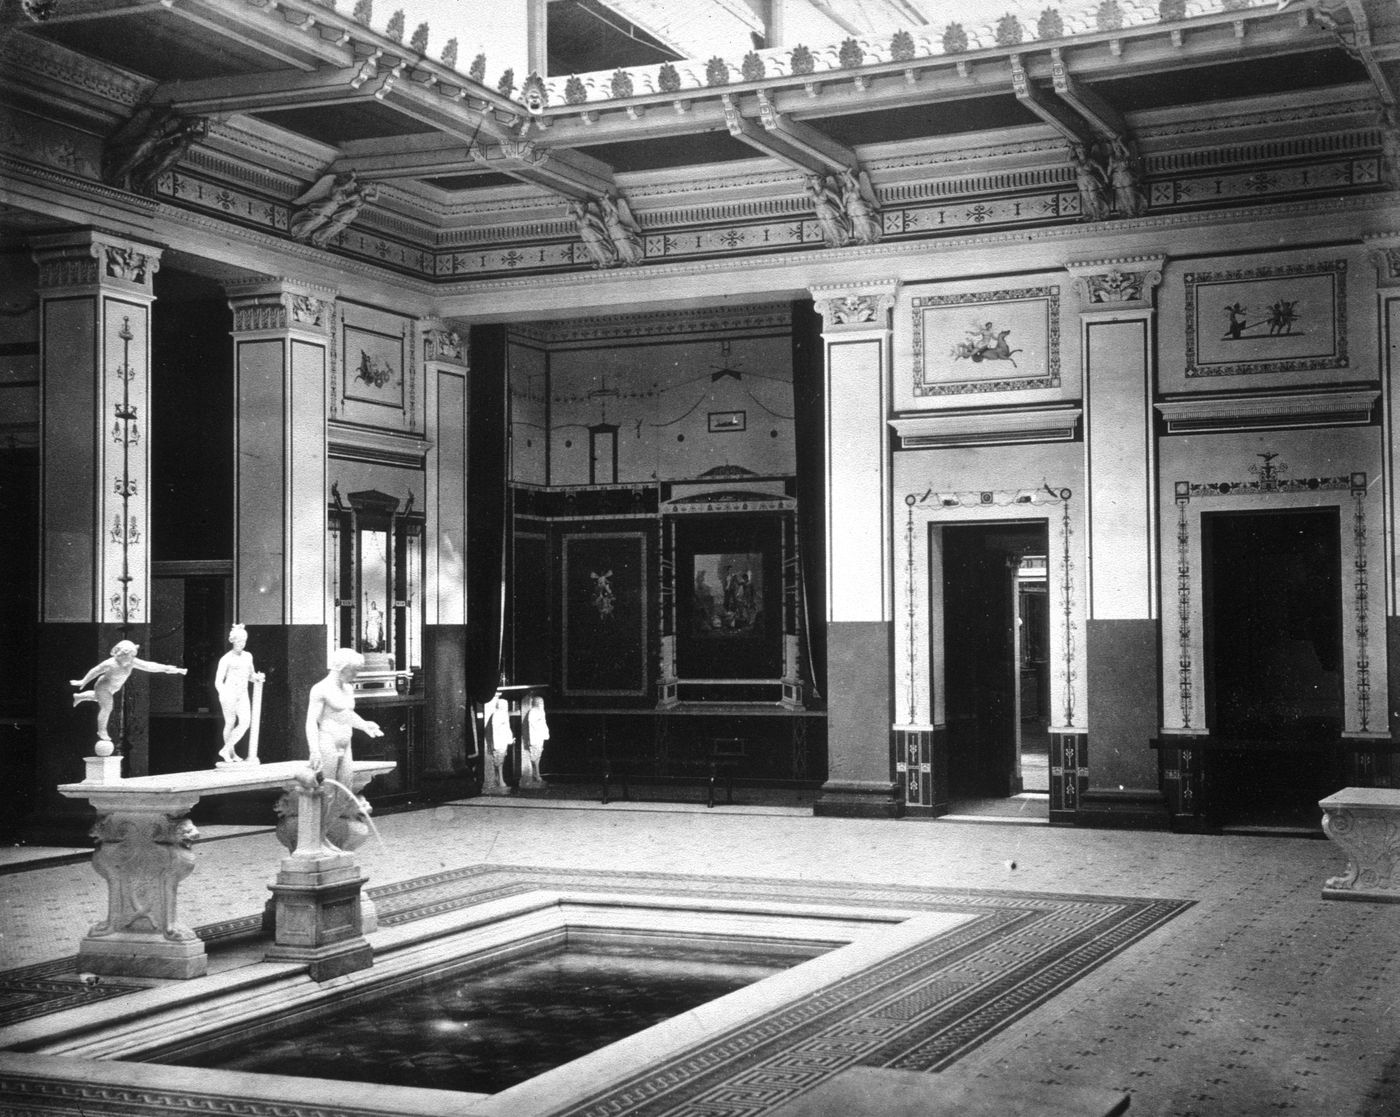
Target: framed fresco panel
column 605, row 614
column 987, row 341
column 729, row 592
column 373, row 367
column 1261, row 320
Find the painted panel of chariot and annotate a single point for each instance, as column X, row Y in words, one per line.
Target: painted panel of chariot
column 986, row 341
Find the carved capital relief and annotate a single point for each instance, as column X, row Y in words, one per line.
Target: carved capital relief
column 443, row 343
column 90, row 259
column 261, row 306
column 863, row 307
column 1123, row 284
column 1384, row 252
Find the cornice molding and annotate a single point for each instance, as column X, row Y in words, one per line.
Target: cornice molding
column 986, row 428
column 897, row 250
column 20, row 52
column 1221, row 413
column 706, row 321
column 380, row 447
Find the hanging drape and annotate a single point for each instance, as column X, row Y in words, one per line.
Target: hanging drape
column 809, row 404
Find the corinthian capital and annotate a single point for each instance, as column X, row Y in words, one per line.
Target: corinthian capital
column 1126, row 283
column 864, row 306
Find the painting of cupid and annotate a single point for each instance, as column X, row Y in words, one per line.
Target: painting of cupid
column 1002, row 340
column 374, row 367
column 986, row 343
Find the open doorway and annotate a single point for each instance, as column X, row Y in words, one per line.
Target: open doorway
column 1273, row 652
column 995, row 664
column 1032, row 635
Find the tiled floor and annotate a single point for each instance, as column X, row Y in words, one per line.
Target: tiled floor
column 1261, row 998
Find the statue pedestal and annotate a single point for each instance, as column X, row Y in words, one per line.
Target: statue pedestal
column 316, row 909
column 316, row 915
column 138, row 954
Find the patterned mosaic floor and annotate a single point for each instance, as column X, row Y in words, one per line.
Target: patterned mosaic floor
column 920, row 1010
column 1259, row 998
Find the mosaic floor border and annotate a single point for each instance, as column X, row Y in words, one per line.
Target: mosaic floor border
column 920, row 1010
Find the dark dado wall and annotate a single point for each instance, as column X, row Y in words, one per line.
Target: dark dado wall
column 1123, row 717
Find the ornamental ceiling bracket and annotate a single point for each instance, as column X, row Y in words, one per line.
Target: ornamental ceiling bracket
column 810, row 141
column 368, row 69
column 1071, row 126
column 1102, row 117
column 793, row 149
column 390, row 79
column 1355, row 39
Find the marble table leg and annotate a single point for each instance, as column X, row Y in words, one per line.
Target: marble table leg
column 1371, row 838
column 143, row 856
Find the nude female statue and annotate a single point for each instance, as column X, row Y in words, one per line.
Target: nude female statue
column 231, row 680
column 107, row 679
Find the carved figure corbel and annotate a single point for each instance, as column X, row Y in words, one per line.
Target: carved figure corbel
column 329, row 208
column 830, row 210
column 622, row 228
column 593, row 231
column 862, row 207
column 1389, row 124
column 147, row 148
column 1092, row 180
column 38, row 10
column 1125, row 181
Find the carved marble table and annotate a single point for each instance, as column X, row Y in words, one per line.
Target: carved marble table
column 1365, row 822
column 145, row 849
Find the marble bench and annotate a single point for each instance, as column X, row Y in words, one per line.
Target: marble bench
column 145, row 849
column 1365, row 822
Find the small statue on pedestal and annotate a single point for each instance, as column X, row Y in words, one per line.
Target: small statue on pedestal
column 534, row 732
column 106, row 680
column 496, row 716
column 231, row 680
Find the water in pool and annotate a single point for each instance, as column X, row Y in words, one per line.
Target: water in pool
column 484, row 1031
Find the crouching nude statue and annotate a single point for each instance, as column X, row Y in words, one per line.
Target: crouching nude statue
column 330, row 723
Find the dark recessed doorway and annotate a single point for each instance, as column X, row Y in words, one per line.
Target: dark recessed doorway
column 1273, row 652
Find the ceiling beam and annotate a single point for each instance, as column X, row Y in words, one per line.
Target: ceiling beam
column 262, row 30
column 825, row 152
column 1085, row 101
column 1072, row 127
column 386, row 79
column 561, row 171
column 283, row 89
column 772, row 144
column 570, row 173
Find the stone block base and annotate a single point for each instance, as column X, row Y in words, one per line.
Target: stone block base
column 318, row 915
column 1133, row 809
column 858, row 799
column 130, row 954
column 325, row 962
